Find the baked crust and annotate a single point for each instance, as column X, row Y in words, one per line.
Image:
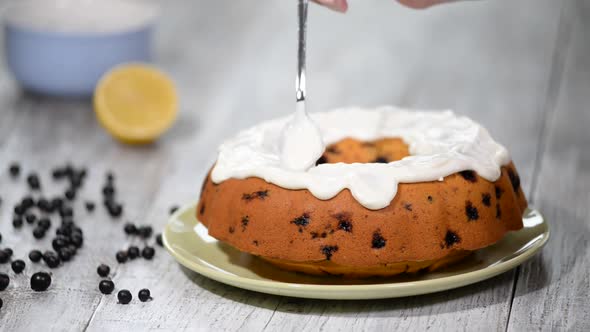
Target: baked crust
column 426, row 223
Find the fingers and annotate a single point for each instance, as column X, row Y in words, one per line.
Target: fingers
column 337, row 5
column 420, row 4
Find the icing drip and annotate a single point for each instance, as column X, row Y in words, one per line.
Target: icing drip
column 441, row 144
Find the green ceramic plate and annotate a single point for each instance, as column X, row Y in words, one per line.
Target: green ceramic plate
column 187, row 240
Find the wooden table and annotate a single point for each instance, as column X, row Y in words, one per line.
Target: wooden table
column 521, row 68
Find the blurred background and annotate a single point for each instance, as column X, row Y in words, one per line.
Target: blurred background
column 233, row 65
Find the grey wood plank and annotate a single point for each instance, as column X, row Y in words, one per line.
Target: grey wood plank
column 234, row 66
column 553, row 290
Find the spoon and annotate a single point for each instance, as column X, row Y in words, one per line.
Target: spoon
column 302, row 24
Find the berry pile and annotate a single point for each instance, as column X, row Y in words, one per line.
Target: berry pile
column 41, row 213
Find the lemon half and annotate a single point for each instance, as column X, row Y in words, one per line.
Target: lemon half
column 136, row 103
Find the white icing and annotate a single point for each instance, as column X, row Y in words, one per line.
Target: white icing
column 301, row 141
column 440, row 144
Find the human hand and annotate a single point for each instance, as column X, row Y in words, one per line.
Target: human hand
column 342, row 5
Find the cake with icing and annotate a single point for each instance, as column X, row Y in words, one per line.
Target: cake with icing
column 360, row 193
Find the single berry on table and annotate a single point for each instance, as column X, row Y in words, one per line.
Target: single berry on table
column 89, row 206
column 106, row 287
column 18, row 266
column 30, row 218
column 65, row 254
column 124, row 296
column 121, row 256
column 115, row 210
column 51, row 259
column 66, row 211
column 57, row 203
column 44, row 223
column 144, row 295
column 145, row 231
column 39, row 232
column 27, row 202
column 133, row 252
column 4, row 281
column 35, row 256
column 8, row 251
column 173, row 209
column 70, row 194
column 148, row 252
column 103, row 270
column 17, row 222
column 130, row 229
column 19, row 210
column 33, row 181
column 108, row 190
column 59, row 242
column 45, row 206
column 159, row 240
column 4, row 257
column 77, row 240
column 14, row 170
column 40, row 281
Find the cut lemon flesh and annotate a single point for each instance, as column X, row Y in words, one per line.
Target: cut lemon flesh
column 136, row 103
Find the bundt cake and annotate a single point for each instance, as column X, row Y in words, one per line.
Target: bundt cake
column 394, row 191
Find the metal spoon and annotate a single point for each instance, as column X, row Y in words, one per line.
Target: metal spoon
column 302, row 22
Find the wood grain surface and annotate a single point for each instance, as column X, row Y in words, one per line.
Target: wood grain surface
column 521, row 68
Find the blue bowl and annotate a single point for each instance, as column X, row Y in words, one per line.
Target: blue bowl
column 62, row 48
